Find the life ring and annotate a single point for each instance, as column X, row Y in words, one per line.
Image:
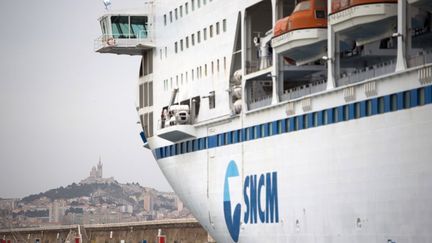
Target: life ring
column 111, row 41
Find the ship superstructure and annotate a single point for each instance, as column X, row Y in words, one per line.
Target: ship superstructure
column 288, row 121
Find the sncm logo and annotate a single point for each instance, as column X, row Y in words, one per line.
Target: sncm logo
column 255, row 187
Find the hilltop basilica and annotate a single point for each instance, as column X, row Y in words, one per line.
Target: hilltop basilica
column 96, row 174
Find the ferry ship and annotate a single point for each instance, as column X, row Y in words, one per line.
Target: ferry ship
column 288, row 120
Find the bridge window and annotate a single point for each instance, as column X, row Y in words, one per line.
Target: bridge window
column 120, row 26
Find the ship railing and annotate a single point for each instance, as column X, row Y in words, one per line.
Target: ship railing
column 420, row 59
column 367, row 73
column 260, row 102
column 122, row 40
column 307, row 89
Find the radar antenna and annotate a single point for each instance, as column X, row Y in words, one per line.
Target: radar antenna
column 107, row 3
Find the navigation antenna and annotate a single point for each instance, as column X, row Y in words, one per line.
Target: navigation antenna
column 107, row 3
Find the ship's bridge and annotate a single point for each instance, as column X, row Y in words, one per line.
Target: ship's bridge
column 125, row 33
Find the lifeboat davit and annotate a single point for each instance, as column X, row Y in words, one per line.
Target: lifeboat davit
column 363, row 21
column 302, row 36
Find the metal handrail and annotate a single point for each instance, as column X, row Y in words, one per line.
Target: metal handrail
column 122, row 39
column 307, row 89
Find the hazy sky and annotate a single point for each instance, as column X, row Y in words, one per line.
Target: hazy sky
column 61, row 104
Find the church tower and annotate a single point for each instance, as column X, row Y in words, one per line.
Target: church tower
column 99, row 168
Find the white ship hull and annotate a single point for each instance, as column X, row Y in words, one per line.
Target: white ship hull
column 337, row 149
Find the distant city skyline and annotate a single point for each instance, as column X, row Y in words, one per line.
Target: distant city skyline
column 62, row 105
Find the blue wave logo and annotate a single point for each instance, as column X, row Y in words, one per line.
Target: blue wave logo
column 232, row 220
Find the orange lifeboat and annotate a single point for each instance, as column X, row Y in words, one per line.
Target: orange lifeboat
column 302, row 36
column 363, row 21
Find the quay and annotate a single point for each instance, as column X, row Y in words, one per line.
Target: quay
column 164, row 231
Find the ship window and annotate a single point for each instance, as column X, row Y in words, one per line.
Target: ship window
column 369, row 107
column 193, row 75
column 103, row 24
column 145, row 94
column 211, row 31
column 171, row 19
column 193, row 4
column 175, row 47
column 199, row 3
column 204, row 2
column 393, row 98
column 187, row 8
column 221, row 139
column 217, row 66
column 302, row 6
column 296, row 123
column 166, row 52
column 165, row 19
column 251, row 133
column 181, row 11
column 144, row 125
column 380, row 105
column 185, row 147
column 120, row 27
column 279, row 127
column 205, row 33
column 336, row 114
column 181, row 45
column 224, row 27
column 325, row 117
column 212, row 67
column 422, row 96
column 320, row 14
column 225, row 64
column 150, row 93
column 179, row 148
column 363, row 109
column 199, row 36
column 194, row 145
column 315, row 119
column 187, row 42
column 205, row 70
column 138, row 27
column 358, row 109
column 141, row 96
column 151, row 124
column 212, row 100
column 190, row 143
column 217, row 28
column 176, row 14
column 407, row 101
column 205, row 143
column 307, row 121
column 228, row 138
column 193, row 39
